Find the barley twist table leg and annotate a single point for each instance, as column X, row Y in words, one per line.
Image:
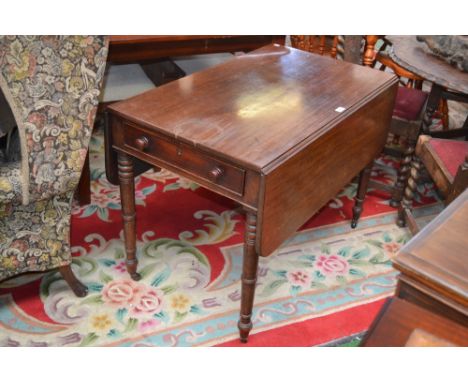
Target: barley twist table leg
column 410, row 190
column 403, row 173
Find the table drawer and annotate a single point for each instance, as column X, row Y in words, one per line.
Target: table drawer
column 187, row 158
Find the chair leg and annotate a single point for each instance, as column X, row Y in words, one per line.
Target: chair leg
column 443, row 108
column 465, row 127
column 364, row 177
column 76, row 285
column 83, row 192
column 403, row 174
column 404, row 212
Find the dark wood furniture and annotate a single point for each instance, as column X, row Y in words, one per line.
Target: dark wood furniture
column 447, row 82
column 409, row 103
column 280, row 131
column 431, row 303
column 125, row 49
column 434, row 264
column 446, row 161
column 401, row 323
column 141, row 48
column 319, row 44
column 341, row 47
column 407, row 114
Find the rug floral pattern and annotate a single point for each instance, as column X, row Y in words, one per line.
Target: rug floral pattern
column 190, row 254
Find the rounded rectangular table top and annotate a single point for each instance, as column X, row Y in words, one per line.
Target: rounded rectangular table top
column 438, row 255
column 256, row 107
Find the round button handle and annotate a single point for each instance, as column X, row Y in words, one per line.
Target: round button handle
column 142, row 143
column 216, row 173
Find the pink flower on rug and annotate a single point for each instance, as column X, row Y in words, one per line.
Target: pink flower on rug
column 122, row 293
column 148, row 324
column 391, row 247
column 298, row 278
column 121, row 267
column 100, row 199
column 148, row 302
column 332, row 265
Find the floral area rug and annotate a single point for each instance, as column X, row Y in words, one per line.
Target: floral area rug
column 190, row 256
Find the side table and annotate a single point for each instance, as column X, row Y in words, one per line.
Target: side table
column 280, row 131
column 401, row 323
column 434, row 264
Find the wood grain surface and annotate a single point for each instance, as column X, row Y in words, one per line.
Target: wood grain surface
column 256, row 107
column 410, row 54
column 437, row 257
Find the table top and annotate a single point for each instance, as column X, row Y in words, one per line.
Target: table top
column 438, row 255
column 135, row 39
column 147, row 48
column 411, row 55
column 255, row 108
column 401, row 323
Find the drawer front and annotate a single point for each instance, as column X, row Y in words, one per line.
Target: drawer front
column 185, row 157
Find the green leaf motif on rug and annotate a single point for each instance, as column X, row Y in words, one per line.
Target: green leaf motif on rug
column 161, row 277
column 318, row 275
column 87, row 266
column 310, row 258
column 272, row 287
column 196, row 309
column 380, row 258
column 361, row 253
column 90, row 210
column 375, row 243
column 114, row 333
column 357, row 272
column 107, row 262
column 104, row 277
column 92, row 300
column 317, row 284
column 94, row 287
column 119, row 254
column 131, row 325
column 325, row 248
column 146, row 270
column 156, row 249
column 89, row 339
column 301, row 264
column 162, row 316
column 168, row 289
column 387, row 238
column 294, row 290
column 341, row 280
column 178, row 317
column 344, row 252
column 280, row 273
column 121, row 313
column 47, row 281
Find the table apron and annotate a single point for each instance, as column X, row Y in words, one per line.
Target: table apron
column 236, row 183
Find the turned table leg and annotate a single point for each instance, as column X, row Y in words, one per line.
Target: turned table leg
column 249, row 277
column 127, row 196
column 364, row 177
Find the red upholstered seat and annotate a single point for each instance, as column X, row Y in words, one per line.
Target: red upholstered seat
column 451, row 153
column 409, row 103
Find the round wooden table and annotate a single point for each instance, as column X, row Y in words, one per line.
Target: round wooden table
column 447, row 81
